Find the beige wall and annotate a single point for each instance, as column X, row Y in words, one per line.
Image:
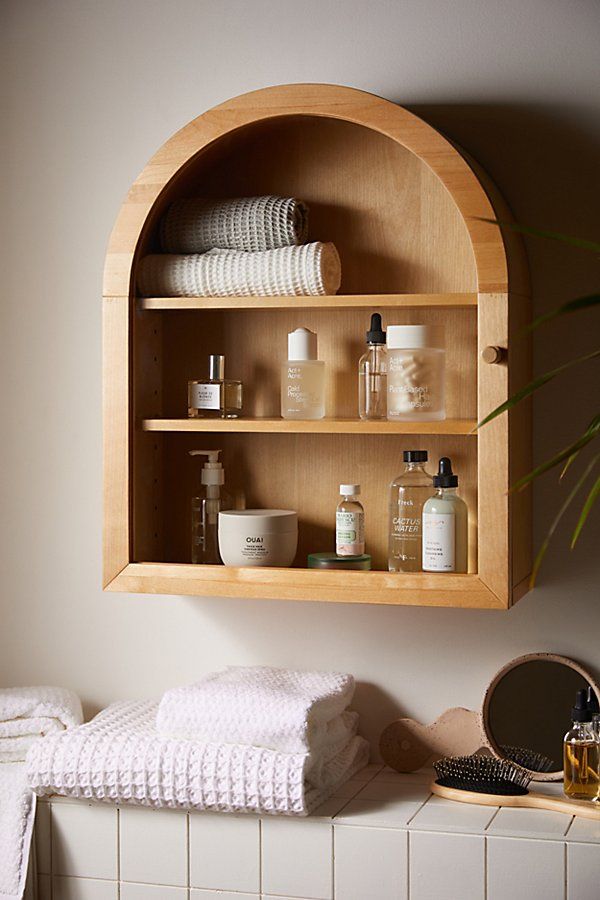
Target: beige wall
column 92, row 89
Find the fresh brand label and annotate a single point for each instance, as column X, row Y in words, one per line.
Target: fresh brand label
column 205, row 396
column 439, row 542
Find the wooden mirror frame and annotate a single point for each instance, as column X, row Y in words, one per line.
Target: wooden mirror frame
column 513, row 664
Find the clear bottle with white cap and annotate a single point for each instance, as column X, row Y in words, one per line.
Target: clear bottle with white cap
column 302, row 378
column 206, row 508
column 349, row 522
column 415, row 381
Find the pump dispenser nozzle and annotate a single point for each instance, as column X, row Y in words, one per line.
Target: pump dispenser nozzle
column 212, row 471
column 445, row 477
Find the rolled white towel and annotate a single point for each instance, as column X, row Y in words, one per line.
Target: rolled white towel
column 280, row 709
column 309, row 270
column 28, row 713
column 244, row 223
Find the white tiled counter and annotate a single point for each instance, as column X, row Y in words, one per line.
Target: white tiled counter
column 383, row 837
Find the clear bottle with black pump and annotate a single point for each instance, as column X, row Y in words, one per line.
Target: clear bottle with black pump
column 581, row 756
column 408, row 493
column 372, row 374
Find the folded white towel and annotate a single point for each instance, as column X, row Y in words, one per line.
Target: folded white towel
column 293, row 712
column 119, row 757
column 244, row 223
column 26, row 715
column 312, row 269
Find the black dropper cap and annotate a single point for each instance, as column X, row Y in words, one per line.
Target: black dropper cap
column 414, row 456
column 592, row 701
column 581, row 711
column 445, row 477
column 376, row 334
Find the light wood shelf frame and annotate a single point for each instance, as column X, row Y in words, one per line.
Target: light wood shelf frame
column 498, row 298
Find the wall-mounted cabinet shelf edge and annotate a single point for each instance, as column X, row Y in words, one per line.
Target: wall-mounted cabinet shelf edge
column 406, row 210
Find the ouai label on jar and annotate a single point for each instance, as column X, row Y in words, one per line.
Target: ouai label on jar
column 439, row 542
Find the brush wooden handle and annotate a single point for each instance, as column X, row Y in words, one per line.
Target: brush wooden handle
column 583, row 808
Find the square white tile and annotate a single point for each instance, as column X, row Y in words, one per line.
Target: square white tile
column 388, row 792
column 583, row 872
column 84, row 840
column 370, row 862
column 368, row 772
column 530, row 823
column 151, row 892
column 222, row 895
column 421, row 776
column 42, row 838
column 449, row 866
column 329, row 808
column 349, row 789
column 225, row 852
column 65, row 888
column 519, row 869
column 153, row 845
column 584, row 830
column 391, row 814
column 445, row 815
column 297, row 858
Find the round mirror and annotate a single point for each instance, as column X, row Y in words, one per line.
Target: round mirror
column 527, row 711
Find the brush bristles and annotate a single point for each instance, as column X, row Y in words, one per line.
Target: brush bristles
column 482, row 774
column 529, row 759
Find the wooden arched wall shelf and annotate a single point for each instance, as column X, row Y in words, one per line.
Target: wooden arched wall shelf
column 405, row 209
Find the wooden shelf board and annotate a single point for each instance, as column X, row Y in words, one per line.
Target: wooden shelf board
column 420, row 589
column 316, row 426
column 341, row 301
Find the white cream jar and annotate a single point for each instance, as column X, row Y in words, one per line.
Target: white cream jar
column 258, row 537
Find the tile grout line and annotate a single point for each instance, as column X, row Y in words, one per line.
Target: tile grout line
column 485, row 867
column 260, row 857
column 423, row 804
column 407, row 864
column 566, row 869
column 119, row 852
column 332, row 879
column 188, row 826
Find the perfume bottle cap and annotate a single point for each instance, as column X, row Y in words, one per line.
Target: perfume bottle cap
column 445, row 476
column 216, row 367
column 348, row 489
column 376, row 334
column 302, row 344
column 581, row 711
column 415, row 456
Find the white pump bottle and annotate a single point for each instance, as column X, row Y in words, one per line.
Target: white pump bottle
column 206, row 507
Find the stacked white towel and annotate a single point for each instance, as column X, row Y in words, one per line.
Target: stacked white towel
column 26, row 715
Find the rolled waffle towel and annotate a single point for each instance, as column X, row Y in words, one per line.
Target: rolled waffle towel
column 311, row 269
column 247, row 223
column 28, row 713
column 284, row 710
column 119, row 757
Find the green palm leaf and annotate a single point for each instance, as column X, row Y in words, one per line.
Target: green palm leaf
column 581, row 243
column 572, row 306
column 587, row 508
column 588, row 435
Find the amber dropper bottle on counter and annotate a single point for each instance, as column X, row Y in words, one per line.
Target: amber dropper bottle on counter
column 581, row 753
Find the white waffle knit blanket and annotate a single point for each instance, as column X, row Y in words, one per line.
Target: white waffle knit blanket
column 26, row 714
column 247, row 223
column 310, row 270
column 285, row 710
column 119, row 757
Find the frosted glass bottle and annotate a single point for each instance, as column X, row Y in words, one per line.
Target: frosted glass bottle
column 349, row 522
column 445, row 524
column 415, row 379
column 372, row 374
column 302, row 378
column 408, row 492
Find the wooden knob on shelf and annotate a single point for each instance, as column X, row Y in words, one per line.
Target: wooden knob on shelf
column 493, row 355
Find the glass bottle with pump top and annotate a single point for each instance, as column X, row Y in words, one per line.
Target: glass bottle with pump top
column 445, row 524
column 206, row 507
column 581, row 756
column 372, row 374
column 408, row 492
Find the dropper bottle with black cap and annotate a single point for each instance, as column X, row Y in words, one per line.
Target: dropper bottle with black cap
column 581, row 757
column 408, row 493
column 372, row 374
column 445, row 524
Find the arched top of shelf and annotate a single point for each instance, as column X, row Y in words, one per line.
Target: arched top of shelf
column 485, row 256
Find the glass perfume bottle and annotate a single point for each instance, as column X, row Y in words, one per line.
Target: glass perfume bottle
column 581, row 753
column 372, row 374
column 302, row 378
column 408, row 493
column 216, row 397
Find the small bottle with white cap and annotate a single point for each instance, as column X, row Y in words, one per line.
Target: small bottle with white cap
column 302, row 378
column 415, row 380
column 349, row 522
column 206, row 507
